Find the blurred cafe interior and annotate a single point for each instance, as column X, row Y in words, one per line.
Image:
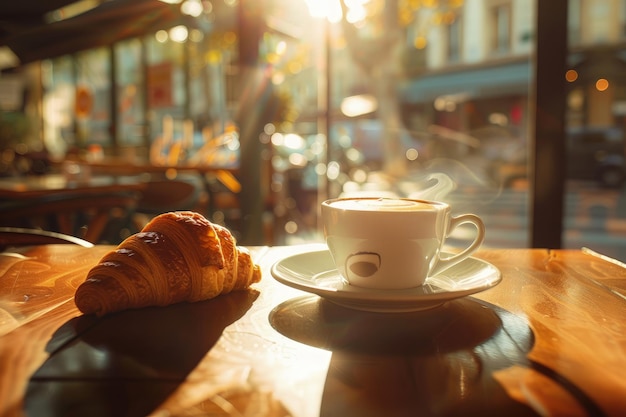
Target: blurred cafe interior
column 252, row 112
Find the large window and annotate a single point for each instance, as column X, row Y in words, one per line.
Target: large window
column 499, row 27
column 595, row 200
column 131, row 106
column 93, row 97
column 167, row 91
column 455, row 39
column 59, row 86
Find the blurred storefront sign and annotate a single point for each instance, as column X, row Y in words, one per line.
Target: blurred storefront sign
column 84, row 102
column 160, row 85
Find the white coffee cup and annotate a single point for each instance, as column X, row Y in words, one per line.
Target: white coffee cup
column 392, row 243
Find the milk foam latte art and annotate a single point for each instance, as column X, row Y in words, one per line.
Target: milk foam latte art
column 384, row 204
column 389, row 243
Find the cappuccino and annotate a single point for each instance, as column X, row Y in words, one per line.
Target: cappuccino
column 392, row 243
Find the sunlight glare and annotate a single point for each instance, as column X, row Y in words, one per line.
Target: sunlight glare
column 329, row 9
column 333, row 170
column 161, row 36
column 192, row 8
column 356, row 14
column 294, row 141
column 412, row 154
column 602, row 84
column 179, row 33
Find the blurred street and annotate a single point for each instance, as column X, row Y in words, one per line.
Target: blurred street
column 594, row 217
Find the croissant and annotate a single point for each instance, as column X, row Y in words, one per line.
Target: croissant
column 177, row 256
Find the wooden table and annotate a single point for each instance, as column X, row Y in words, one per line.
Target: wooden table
column 549, row 339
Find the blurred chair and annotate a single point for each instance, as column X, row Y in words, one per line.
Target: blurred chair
column 162, row 195
column 16, row 236
column 224, row 204
column 84, row 216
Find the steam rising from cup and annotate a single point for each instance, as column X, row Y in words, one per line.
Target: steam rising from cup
column 443, row 186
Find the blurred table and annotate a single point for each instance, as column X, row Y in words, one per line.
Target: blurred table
column 79, row 206
column 221, row 184
column 46, row 185
column 116, row 166
column 550, row 339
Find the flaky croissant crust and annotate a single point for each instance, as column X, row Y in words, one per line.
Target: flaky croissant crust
column 178, row 256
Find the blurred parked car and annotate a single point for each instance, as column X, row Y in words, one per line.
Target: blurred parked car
column 362, row 142
column 596, row 154
column 593, row 154
column 506, row 160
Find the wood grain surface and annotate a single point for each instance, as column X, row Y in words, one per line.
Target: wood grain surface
column 550, row 339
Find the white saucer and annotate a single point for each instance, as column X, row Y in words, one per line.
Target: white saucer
column 315, row 272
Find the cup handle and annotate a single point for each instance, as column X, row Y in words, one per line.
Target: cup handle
column 445, row 263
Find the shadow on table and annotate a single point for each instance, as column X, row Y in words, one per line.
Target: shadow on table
column 127, row 363
column 435, row 362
